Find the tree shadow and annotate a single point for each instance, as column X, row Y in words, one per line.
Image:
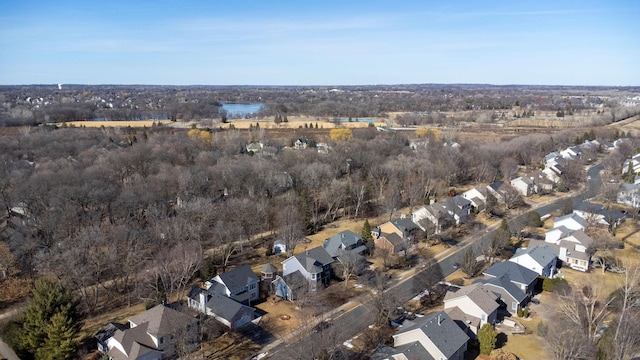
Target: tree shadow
column 501, row 340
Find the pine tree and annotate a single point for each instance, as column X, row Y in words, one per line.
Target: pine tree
column 487, row 339
column 48, row 300
column 59, row 343
column 366, row 231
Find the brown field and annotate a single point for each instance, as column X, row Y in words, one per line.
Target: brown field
column 140, row 123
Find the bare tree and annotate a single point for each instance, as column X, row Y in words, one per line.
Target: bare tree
column 469, row 263
column 509, row 168
column 352, row 264
column 582, row 307
column 290, row 226
column 569, row 343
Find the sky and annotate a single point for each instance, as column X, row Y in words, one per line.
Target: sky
column 308, row 42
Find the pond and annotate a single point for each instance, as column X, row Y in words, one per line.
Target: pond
column 241, row 110
column 359, row 120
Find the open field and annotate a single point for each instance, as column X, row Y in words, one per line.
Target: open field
column 137, row 123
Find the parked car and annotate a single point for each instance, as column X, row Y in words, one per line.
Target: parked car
column 321, row 327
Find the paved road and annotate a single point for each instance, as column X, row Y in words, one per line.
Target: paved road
column 350, row 323
column 6, row 352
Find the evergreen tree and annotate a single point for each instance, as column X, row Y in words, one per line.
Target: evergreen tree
column 630, row 176
column 59, row 343
column 366, row 231
column 487, row 339
column 48, row 302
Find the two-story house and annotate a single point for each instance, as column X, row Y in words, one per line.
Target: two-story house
column 151, row 335
column 240, row 284
column 314, row 264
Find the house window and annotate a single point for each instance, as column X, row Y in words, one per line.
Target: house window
column 484, row 317
column 252, row 286
column 313, row 276
column 514, row 306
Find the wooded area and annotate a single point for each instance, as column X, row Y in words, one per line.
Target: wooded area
column 121, row 216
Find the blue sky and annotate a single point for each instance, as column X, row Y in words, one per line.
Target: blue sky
column 215, row 42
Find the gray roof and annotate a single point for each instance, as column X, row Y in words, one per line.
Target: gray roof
column 542, row 254
column 393, row 238
column 445, row 334
column 313, row 260
column 516, row 272
column 162, row 320
column 483, row 298
column 463, row 320
column 269, row 269
column 109, row 330
column 590, row 208
column 135, row 342
column 405, row 225
column 238, row 278
column 412, row 351
column 504, row 283
column 575, row 217
column 225, row 307
column 348, row 239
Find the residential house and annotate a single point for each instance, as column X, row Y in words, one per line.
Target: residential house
column 403, row 227
column 468, row 323
column 255, row 148
column 476, row 301
column 241, row 284
column 314, row 264
column 477, row 196
column 524, row 185
column 497, row 190
column 572, row 152
column 323, row 148
column 434, row 216
column 629, row 194
column 389, row 243
column 344, row 241
column 510, row 296
column 598, row 215
column 107, row 332
column 573, row 248
column 419, row 143
column 222, row 308
column 541, row 180
column 435, row 336
column 458, row 207
column 571, row 221
column 540, row 259
column 150, row 335
column 303, row 144
column 524, row 278
column 290, row 287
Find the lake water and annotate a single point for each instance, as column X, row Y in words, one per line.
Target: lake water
column 359, row 120
column 241, row 110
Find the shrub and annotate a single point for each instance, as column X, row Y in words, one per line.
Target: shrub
column 542, row 329
column 553, row 285
column 520, row 312
column 487, row 339
column 525, row 313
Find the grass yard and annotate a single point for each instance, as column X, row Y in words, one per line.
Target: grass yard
column 528, row 346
